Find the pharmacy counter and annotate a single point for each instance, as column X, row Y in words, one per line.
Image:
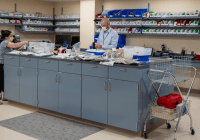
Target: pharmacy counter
column 117, row 96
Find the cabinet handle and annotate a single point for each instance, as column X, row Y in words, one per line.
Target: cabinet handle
column 105, row 86
column 69, row 63
column 47, row 61
column 108, row 86
column 122, row 69
column 56, row 78
column 11, row 57
column 28, row 59
column 93, row 66
column 19, row 72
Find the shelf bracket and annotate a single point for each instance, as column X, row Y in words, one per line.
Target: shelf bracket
column 62, row 11
column 102, row 8
column 15, row 7
column 53, row 13
column 148, row 7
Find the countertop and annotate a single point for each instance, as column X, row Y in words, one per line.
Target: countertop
column 140, row 66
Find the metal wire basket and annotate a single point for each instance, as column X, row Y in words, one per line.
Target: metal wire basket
column 178, row 66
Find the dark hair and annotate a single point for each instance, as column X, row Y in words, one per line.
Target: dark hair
column 5, row 33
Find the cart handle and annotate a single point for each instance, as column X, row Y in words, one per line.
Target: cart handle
column 161, row 71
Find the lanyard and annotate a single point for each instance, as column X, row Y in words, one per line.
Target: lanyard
column 105, row 37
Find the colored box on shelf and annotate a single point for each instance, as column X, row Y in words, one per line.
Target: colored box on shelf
column 139, row 12
column 111, row 14
column 124, row 13
column 141, row 58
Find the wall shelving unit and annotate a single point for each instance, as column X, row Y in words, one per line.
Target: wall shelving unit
column 154, row 26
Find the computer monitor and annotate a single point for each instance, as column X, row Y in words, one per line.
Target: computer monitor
column 61, row 38
column 74, row 40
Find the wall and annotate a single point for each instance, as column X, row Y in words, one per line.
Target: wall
column 98, row 6
column 30, row 6
column 87, row 25
column 70, row 7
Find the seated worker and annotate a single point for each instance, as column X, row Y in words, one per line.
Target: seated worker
column 108, row 38
column 6, row 46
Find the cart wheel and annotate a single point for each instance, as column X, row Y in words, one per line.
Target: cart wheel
column 145, row 135
column 168, row 125
column 192, row 131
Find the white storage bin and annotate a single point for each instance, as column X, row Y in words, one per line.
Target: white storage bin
column 190, row 31
column 158, row 31
column 154, row 31
column 144, row 15
column 162, row 31
column 170, row 22
column 196, row 31
column 159, row 14
column 164, row 14
column 124, row 22
column 133, row 30
column 196, row 13
column 187, row 14
column 166, row 22
column 127, row 22
column 147, row 23
column 183, row 14
column 192, row 14
column 170, row 14
column 138, row 22
column 174, row 14
column 166, row 31
column 162, row 22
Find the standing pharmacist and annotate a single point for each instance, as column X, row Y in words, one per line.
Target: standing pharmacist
column 6, row 46
column 108, row 38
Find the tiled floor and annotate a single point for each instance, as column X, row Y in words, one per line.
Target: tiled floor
column 9, row 110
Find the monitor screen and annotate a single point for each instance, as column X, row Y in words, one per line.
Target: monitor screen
column 61, row 38
column 75, row 39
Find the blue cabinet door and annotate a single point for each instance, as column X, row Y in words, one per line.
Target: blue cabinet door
column 123, row 104
column 94, row 99
column 48, row 90
column 69, row 94
column 11, row 82
column 28, row 86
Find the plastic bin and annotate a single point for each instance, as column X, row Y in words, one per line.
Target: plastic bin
column 138, row 31
column 124, row 13
column 99, row 16
column 139, row 12
column 129, row 11
column 95, row 52
column 111, row 14
column 142, row 58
